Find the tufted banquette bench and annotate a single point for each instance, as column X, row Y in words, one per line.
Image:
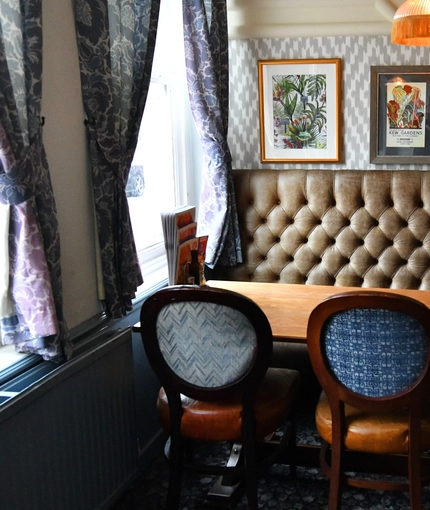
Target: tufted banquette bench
column 355, row 228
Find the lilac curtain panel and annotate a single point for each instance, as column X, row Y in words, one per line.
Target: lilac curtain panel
column 206, row 60
column 32, row 310
column 116, row 41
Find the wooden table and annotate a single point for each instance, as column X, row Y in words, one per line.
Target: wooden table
column 288, row 306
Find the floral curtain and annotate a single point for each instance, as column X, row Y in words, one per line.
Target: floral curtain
column 116, row 41
column 206, row 60
column 31, row 307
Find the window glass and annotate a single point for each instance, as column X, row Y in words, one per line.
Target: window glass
column 151, row 184
column 164, row 154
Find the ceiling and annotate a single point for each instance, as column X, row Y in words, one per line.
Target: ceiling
column 255, row 19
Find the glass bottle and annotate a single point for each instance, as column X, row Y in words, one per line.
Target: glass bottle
column 194, row 267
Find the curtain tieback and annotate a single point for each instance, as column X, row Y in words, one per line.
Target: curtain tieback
column 17, row 184
column 117, row 160
column 217, row 152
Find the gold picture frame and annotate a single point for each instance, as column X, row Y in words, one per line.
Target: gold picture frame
column 300, row 110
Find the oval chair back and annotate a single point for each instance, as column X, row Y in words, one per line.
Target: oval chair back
column 211, row 349
column 370, row 352
column 206, row 343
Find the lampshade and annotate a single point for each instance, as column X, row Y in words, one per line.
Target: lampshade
column 411, row 24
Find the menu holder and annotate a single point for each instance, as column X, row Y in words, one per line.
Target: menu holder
column 179, row 231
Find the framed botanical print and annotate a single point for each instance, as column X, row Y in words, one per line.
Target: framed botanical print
column 400, row 114
column 300, row 110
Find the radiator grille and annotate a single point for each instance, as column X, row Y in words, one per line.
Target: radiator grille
column 69, row 442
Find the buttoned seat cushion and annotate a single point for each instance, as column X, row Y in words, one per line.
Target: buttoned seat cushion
column 370, row 432
column 212, row 421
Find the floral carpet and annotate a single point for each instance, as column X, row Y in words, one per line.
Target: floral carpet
column 276, row 489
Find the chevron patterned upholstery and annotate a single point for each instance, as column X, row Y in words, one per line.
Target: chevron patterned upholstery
column 211, row 349
column 226, row 346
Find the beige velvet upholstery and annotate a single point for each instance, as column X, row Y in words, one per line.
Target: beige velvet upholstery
column 342, row 227
column 355, row 228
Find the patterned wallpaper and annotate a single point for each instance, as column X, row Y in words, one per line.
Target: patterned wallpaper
column 358, row 53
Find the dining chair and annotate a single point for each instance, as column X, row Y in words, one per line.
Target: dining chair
column 370, row 352
column 210, row 349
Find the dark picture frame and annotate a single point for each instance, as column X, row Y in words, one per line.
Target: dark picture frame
column 399, row 115
column 300, row 110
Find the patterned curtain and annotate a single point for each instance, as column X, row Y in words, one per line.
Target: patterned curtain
column 206, row 60
column 30, row 287
column 116, row 41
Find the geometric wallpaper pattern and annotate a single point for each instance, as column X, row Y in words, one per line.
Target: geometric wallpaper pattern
column 357, row 53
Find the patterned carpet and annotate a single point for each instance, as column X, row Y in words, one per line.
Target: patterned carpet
column 276, row 490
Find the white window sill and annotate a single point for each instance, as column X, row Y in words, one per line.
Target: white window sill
column 154, row 269
column 8, row 356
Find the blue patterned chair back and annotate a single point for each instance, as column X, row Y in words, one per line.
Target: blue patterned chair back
column 370, row 352
column 206, row 344
column 375, row 352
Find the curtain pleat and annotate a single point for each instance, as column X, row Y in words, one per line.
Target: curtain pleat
column 32, row 305
column 206, row 60
column 116, row 41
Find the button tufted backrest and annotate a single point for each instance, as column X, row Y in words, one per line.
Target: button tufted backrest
column 343, row 227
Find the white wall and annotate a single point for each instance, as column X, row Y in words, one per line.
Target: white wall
column 65, row 143
column 66, row 147
column 249, row 19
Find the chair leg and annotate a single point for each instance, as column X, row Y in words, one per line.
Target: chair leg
column 414, row 472
column 415, row 494
column 175, row 473
column 335, row 493
column 292, row 448
column 251, row 477
column 250, row 456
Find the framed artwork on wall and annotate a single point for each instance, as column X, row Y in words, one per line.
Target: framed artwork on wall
column 400, row 115
column 300, row 110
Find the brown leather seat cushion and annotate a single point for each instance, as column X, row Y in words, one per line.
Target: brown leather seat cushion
column 214, row 421
column 372, row 433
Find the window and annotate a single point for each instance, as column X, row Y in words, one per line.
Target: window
column 8, row 356
column 162, row 170
column 164, row 154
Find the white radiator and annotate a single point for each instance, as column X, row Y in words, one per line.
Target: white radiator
column 69, row 441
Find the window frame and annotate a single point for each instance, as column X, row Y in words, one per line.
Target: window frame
column 186, row 155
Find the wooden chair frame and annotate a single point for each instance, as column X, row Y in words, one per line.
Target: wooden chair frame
column 247, row 384
column 415, row 398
